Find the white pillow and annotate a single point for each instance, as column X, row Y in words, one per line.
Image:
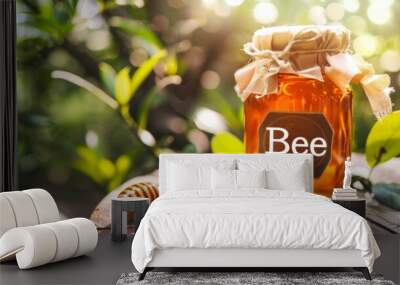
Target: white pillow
column 188, row 174
column 251, row 178
column 227, row 179
column 293, row 179
column 223, row 179
column 282, row 174
column 182, row 177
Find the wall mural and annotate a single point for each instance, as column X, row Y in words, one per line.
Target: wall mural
column 104, row 87
column 297, row 97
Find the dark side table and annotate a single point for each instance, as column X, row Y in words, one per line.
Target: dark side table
column 357, row 205
column 119, row 215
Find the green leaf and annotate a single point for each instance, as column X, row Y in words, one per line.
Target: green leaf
column 101, row 170
column 144, row 70
column 107, row 76
column 171, row 65
column 226, row 143
column 62, row 14
column 383, row 142
column 150, row 100
column 122, row 87
column 137, row 29
column 47, row 26
column 106, row 168
column 123, row 164
column 87, row 162
column 54, row 19
column 93, row 89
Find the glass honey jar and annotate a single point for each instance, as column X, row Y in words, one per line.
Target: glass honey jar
column 297, row 98
column 307, row 109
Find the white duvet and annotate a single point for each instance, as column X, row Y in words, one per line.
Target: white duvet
column 250, row 219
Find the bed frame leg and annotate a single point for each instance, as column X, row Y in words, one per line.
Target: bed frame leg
column 364, row 271
column 143, row 274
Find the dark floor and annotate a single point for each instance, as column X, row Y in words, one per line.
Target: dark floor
column 110, row 260
column 388, row 264
column 103, row 266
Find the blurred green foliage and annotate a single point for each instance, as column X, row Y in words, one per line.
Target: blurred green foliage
column 105, row 86
column 383, row 141
column 100, row 169
column 226, row 143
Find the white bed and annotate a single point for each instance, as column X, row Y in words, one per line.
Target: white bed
column 248, row 227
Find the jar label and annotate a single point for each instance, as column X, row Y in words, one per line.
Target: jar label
column 291, row 132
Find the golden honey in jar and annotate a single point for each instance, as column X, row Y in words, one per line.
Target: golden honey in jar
column 305, row 115
column 291, row 105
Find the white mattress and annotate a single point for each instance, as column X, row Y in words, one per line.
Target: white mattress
column 253, row 219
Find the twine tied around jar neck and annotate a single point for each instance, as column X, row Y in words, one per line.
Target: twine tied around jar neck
column 251, row 48
column 259, row 77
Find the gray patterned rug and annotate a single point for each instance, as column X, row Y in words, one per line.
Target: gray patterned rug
column 231, row 278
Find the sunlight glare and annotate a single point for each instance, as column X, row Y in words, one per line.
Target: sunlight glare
column 265, row 13
column 234, row 3
column 317, row 15
column 365, row 45
column 390, row 60
column 209, row 121
column 351, row 5
column 335, row 11
column 379, row 14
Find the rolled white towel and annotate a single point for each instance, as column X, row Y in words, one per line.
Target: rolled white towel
column 26, row 208
column 32, row 246
column 45, row 205
column 40, row 244
column 66, row 238
column 87, row 235
column 23, row 208
column 7, row 218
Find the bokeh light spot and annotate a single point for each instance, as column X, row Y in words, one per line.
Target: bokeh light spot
column 138, row 56
column 98, row 40
column 379, row 14
column 121, row 2
column 386, row 3
column 335, row 11
column 390, row 61
column 351, row 5
column 176, row 125
column 210, row 80
column 265, row 13
column 139, row 3
column 209, row 121
column 91, row 139
column 209, row 3
column 87, row 9
column 199, row 140
column 365, row 45
column 317, row 15
column 357, row 24
column 234, row 2
column 146, row 137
